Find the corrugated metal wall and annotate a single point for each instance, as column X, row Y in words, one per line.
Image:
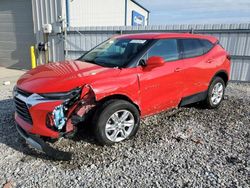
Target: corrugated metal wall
column 234, row 37
column 16, row 33
column 49, row 12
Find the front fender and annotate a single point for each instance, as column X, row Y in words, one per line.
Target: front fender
column 123, row 85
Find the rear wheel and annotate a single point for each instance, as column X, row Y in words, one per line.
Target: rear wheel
column 116, row 121
column 215, row 93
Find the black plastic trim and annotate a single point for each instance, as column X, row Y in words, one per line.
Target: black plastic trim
column 37, row 143
column 217, row 73
column 193, row 98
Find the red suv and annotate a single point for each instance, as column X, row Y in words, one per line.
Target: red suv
column 118, row 82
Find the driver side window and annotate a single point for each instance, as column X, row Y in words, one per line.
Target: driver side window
column 165, row 48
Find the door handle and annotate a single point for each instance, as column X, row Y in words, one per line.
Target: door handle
column 210, row 61
column 178, row 69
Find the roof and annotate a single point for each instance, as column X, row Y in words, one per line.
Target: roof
column 140, row 5
column 166, row 35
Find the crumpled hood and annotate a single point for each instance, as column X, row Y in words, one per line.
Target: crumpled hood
column 63, row 76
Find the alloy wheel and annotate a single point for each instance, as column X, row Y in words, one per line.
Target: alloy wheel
column 119, row 125
column 217, row 93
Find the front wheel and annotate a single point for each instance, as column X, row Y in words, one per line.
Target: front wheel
column 116, row 121
column 215, row 93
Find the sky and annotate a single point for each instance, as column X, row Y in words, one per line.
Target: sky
column 197, row 11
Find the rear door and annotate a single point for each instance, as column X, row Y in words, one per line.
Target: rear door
column 196, row 65
column 161, row 87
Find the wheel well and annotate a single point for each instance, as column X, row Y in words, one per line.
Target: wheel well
column 118, row 96
column 223, row 75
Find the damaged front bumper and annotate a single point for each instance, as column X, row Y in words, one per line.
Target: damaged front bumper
column 52, row 115
column 38, row 143
column 51, row 118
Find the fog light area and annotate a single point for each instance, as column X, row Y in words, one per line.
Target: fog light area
column 59, row 118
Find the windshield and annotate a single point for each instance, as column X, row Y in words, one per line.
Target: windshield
column 115, row 52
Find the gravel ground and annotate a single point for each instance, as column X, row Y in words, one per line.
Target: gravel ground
column 186, row 147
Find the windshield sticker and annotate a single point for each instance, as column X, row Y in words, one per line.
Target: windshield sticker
column 138, row 41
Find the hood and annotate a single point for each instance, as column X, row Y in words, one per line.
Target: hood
column 63, row 76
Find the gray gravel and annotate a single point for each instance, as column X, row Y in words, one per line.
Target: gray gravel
column 186, row 147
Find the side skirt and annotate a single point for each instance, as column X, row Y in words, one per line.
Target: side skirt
column 193, row 98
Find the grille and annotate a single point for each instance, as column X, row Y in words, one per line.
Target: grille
column 23, row 93
column 22, row 110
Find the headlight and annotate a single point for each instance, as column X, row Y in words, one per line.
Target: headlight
column 64, row 95
column 58, row 118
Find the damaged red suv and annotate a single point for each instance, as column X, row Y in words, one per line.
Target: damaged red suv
column 118, row 82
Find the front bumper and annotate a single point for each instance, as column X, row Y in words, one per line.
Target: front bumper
column 31, row 113
column 38, row 127
column 36, row 114
column 37, row 143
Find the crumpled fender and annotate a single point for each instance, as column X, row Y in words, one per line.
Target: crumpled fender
column 127, row 86
column 124, row 85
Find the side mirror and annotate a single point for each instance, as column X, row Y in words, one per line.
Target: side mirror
column 155, row 61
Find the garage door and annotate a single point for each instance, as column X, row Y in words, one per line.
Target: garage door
column 16, row 33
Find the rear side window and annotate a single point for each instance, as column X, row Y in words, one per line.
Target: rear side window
column 207, row 45
column 165, row 48
column 191, row 48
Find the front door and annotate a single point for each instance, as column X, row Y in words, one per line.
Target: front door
column 161, row 87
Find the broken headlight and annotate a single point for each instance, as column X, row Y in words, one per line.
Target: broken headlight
column 58, row 117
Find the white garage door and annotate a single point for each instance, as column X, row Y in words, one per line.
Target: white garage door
column 16, row 33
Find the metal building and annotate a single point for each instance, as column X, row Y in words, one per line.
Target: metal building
column 106, row 13
column 22, row 21
column 16, row 33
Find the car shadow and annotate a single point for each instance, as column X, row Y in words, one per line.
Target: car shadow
column 85, row 134
column 197, row 105
column 10, row 137
column 85, row 130
column 201, row 105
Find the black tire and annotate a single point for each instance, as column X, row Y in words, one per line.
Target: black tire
column 208, row 102
column 105, row 111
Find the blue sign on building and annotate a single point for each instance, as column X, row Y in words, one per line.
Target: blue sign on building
column 137, row 19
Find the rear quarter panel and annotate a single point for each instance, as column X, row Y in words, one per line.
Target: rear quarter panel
column 221, row 63
column 199, row 71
